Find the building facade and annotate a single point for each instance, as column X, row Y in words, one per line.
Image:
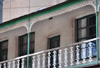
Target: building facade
column 61, row 36
column 1, row 9
column 16, row 8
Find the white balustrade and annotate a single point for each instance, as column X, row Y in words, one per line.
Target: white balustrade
column 71, row 56
column 90, row 52
column 38, row 61
column 0, row 65
column 84, row 52
column 65, row 57
column 43, row 59
column 4, row 65
column 33, row 62
column 22, row 66
column 18, row 63
column 49, row 64
column 60, row 62
column 54, row 59
column 61, row 57
column 13, row 64
column 9, row 64
column 77, row 55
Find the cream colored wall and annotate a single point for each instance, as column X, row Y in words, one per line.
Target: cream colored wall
column 63, row 25
column 17, row 8
column 12, row 37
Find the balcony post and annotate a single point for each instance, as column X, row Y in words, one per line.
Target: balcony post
column 28, row 47
column 97, row 43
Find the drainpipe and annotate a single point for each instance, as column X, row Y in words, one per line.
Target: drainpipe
column 97, row 43
column 28, row 47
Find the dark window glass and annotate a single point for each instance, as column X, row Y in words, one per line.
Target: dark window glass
column 23, row 42
column 86, row 29
column 3, row 50
column 53, row 43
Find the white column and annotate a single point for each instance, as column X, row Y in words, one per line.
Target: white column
column 49, row 59
column 71, row 56
column 77, row 55
column 65, row 57
column 60, row 62
column 33, row 62
column 43, row 61
column 90, row 52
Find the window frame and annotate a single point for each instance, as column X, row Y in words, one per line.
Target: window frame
column 3, row 49
column 20, row 46
column 87, row 37
column 76, row 27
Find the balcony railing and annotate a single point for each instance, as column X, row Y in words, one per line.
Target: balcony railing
column 61, row 57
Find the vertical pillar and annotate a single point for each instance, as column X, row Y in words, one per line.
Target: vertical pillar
column 97, row 46
column 28, row 47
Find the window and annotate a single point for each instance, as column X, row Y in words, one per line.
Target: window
column 86, row 29
column 53, row 43
column 23, row 42
column 3, row 50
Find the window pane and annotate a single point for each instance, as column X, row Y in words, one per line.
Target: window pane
column 4, row 45
column 55, row 42
column 82, row 23
column 25, row 49
column 4, row 57
column 82, row 33
column 32, row 37
column 25, row 39
column 3, row 50
column 32, row 48
column 92, row 20
column 92, row 30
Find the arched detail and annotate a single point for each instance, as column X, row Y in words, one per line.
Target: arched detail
column 13, row 27
column 93, row 4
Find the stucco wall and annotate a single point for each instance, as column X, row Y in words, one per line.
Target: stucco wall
column 12, row 37
column 63, row 25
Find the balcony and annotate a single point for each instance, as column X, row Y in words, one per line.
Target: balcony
column 61, row 57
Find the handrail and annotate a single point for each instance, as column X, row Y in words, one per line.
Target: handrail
column 45, row 51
